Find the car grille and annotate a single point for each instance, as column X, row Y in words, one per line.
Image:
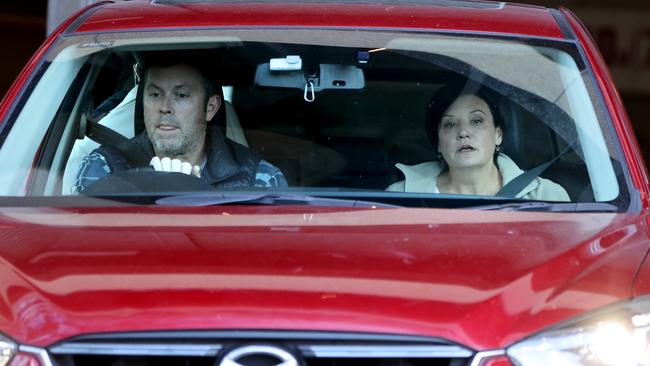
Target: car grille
column 210, row 348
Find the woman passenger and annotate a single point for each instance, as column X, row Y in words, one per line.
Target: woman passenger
column 464, row 124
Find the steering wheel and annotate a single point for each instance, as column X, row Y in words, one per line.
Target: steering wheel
column 146, row 181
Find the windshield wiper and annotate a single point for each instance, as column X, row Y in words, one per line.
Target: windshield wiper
column 356, row 198
column 212, row 199
column 547, row 206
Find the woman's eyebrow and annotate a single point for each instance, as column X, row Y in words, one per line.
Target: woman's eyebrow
column 477, row 110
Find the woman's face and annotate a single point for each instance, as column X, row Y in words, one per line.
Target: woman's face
column 467, row 137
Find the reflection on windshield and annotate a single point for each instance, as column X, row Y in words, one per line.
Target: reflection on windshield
column 343, row 111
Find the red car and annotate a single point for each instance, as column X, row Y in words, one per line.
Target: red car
column 321, row 183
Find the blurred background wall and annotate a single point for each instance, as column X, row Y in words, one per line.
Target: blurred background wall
column 22, row 30
column 621, row 29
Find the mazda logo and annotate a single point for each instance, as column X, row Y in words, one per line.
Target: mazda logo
column 257, row 355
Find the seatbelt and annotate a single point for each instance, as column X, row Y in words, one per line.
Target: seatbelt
column 106, row 136
column 512, row 188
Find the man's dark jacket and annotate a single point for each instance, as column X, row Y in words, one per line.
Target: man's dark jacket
column 228, row 165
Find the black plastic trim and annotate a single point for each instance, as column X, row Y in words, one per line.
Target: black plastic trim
column 464, row 33
column 72, row 27
column 564, row 25
column 257, row 334
column 310, row 344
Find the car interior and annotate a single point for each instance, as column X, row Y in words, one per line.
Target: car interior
column 347, row 129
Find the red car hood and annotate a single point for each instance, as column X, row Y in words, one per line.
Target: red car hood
column 483, row 279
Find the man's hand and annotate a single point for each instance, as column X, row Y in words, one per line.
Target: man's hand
column 175, row 165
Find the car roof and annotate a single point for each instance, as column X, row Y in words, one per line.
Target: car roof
column 439, row 15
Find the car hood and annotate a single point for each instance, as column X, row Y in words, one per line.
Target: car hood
column 483, row 279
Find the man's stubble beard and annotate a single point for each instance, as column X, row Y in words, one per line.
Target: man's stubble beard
column 172, row 148
column 188, row 142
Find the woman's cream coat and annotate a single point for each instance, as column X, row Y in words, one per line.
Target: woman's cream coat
column 423, row 178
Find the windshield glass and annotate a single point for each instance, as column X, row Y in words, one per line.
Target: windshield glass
column 376, row 115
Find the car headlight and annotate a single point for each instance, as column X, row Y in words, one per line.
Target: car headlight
column 7, row 350
column 618, row 335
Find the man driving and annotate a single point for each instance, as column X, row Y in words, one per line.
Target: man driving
column 179, row 103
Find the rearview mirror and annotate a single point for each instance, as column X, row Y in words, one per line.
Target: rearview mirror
column 329, row 76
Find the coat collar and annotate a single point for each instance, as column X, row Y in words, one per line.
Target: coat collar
column 424, row 177
column 221, row 163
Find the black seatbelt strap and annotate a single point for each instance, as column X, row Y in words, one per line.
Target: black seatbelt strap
column 512, row 188
column 106, row 136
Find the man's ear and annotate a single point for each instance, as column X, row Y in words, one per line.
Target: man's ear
column 212, row 107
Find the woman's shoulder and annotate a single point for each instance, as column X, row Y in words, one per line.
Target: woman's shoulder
column 538, row 189
column 548, row 190
column 399, row 186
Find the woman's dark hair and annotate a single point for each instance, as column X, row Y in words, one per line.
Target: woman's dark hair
column 444, row 97
column 195, row 60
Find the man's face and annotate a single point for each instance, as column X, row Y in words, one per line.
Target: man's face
column 175, row 111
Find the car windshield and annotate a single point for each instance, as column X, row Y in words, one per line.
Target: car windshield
column 383, row 116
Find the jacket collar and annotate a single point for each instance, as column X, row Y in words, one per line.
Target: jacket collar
column 221, row 163
column 424, row 177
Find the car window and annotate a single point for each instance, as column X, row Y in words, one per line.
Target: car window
column 339, row 113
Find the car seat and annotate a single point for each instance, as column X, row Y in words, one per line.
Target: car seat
column 120, row 119
column 530, row 142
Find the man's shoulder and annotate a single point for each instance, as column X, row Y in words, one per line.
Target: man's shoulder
column 127, row 153
column 268, row 175
column 263, row 173
column 242, row 155
column 113, row 157
column 264, row 167
column 93, row 167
